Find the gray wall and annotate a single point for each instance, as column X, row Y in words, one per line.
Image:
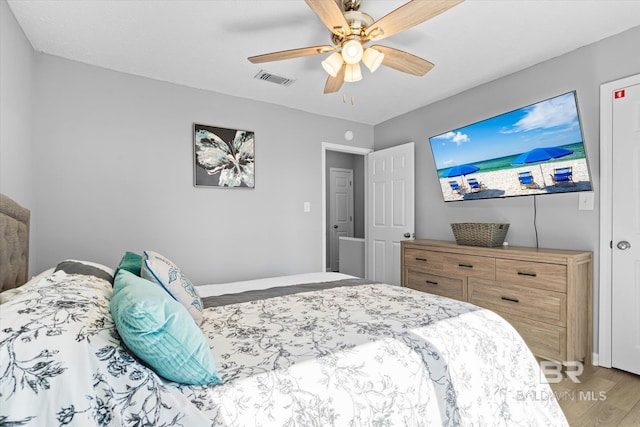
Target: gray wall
column 115, row 173
column 16, row 120
column 560, row 223
column 358, row 195
column 16, row 72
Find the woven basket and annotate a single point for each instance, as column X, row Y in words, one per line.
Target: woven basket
column 479, row 234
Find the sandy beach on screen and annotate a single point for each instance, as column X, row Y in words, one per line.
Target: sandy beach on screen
column 505, row 183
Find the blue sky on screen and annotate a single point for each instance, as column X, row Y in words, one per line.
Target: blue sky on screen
column 549, row 123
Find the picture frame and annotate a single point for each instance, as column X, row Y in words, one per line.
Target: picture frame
column 223, row 158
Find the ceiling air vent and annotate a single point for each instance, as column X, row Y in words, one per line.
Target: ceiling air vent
column 267, row 76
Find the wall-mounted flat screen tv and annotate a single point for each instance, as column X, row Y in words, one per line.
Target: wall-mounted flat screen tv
column 537, row 149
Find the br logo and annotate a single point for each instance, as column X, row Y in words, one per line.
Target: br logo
column 551, row 372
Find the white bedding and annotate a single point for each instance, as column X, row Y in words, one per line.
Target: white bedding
column 360, row 355
column 7, row 295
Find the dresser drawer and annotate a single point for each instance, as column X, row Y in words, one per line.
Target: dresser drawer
column 470, row 266
column 544, row 293
column 423, row 260
column 533, row 274
column 521, row 301
column 433, row 284
column 544, row 340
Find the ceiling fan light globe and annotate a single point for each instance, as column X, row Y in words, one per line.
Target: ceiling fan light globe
column 352, row 51
column 352, row 73
column 332, row 64
column 372, row 58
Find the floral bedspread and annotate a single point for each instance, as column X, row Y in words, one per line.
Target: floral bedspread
column 355, row 356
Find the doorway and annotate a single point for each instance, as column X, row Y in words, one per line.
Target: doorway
column 619, row 305
column 329, row 152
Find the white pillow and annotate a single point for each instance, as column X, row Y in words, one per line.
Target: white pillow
column 162, row 271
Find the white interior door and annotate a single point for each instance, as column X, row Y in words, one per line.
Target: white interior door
column 340, row 211
column 625, row 298
column 390, row 210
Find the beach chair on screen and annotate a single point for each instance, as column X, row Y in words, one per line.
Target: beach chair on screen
column 456, row 187
column 563, row 175
column 526, row 180
column 474, row 185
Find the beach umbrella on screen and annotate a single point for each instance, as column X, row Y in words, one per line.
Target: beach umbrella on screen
column 541, row 155
column 461, row 170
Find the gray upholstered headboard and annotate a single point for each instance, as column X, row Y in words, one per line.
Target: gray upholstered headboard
column 14, row 244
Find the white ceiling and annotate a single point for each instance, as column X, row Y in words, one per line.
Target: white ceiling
column 204, row 44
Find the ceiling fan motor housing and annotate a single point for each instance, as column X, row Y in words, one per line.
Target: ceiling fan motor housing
column 358, row 21
column 348, row 5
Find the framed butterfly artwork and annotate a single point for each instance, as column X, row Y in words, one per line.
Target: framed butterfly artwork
column 223, row 157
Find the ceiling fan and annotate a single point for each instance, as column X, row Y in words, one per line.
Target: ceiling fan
column 351, row 30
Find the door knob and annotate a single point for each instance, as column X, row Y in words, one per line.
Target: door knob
column 409, row 235
column 623, row 245
column 335, row 226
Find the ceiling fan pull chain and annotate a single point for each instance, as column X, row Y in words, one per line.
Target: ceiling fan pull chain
column 344, row 99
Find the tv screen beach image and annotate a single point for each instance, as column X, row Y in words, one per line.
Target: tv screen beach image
column 536, row 149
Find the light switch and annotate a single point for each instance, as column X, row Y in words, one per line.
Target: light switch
column 585, row 201
column 307, row 207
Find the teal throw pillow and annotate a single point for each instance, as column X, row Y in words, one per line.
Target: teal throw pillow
column 131, row 262
column 160, row 331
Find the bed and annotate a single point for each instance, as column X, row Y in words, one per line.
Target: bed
column 316, row 349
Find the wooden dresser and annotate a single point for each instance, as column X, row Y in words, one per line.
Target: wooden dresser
column 546, row 294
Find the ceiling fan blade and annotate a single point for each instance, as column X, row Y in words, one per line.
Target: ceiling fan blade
column 331, row 15
column 292, row 53
column 335, row 83
column 406, row 16
column 404, row 61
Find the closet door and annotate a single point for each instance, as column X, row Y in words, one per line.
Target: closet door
column 625, row 298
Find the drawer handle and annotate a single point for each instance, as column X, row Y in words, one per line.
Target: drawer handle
column 429, row 282
column 510, row 299
column 421, row 259
column 465, row 265
column 520, row 273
